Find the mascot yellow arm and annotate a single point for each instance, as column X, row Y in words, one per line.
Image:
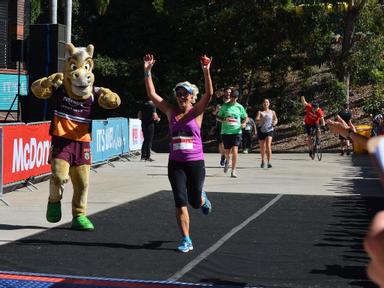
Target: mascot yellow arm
column 108, row 99
column 43, row 88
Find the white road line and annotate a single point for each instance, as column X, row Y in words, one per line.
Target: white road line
column 221, row 241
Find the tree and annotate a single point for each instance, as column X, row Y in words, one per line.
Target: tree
column 343, row 68
column 102, row 6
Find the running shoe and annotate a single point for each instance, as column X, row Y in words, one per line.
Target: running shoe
column 245, row 151
column 226, row 166
column 185, row 246
column 207, row 206
column 233, row 174
column 269, row 165
column 348, row 151
column 222, row 160
column 262, row 165
column 150, row 159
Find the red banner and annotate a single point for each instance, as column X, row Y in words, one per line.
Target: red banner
column 25, row 151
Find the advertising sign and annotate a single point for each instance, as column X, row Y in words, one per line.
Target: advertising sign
column 135, row 134
column 1, row 161
column 8, row 90
column 109, row 138
column 25, row 151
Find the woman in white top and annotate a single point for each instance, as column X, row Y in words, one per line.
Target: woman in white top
column 266, row 119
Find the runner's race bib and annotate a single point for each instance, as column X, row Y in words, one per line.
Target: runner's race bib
column 232, row 121
column 182, row 140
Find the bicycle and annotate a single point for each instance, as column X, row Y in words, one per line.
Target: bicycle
column 316, row 145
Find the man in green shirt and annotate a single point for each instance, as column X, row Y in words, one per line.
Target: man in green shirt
column 233, row 117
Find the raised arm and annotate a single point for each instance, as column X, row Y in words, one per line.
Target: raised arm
column 303, row 101
column 159, row 102
column 206, row 98
column 347, row 131
column 322, row 121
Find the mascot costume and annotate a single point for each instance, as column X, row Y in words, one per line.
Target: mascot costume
column 70, row 129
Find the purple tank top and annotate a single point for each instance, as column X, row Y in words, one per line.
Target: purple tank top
column 185, row 144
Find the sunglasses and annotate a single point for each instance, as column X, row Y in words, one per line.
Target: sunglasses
column 181, row 93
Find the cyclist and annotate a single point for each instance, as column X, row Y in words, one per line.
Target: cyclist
column 314, row 117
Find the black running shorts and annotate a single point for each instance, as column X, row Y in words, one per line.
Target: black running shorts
column 187, row 181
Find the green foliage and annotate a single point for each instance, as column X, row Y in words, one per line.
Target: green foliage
column 297, row 126
column 375, row 103
column 40, row 11
column 110, row 67
column 159, row 6
column 36, row 10
column 287, row 108
column 378, row 74
column 102, row 6
column 334, row 96
column 366, row 53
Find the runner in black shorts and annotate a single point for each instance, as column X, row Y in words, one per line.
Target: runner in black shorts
column 216, row 109
column 186, row 168
column 233, row 117
column 266, row 119
column 177, row 172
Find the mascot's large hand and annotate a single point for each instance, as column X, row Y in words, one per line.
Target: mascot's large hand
column 43, row 88
column 108, row 99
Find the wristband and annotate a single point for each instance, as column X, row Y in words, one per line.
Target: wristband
column 147, row 74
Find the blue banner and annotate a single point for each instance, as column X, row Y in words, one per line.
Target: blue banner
column 1, row 162
column 8, row 90
column 109, row 138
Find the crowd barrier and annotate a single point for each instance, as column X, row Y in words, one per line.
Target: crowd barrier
column 109, row 139
column 25, row 148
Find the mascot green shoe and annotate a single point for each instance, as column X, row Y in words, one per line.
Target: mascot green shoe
column 54, row 212
column 82, row 223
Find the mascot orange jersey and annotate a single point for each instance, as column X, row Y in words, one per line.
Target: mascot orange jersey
column 72, row 118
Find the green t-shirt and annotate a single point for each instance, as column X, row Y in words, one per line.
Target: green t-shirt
column 233, row 113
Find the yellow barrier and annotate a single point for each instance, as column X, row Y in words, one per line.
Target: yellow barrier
column 362, row 130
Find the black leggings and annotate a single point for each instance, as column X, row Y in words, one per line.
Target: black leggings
column 187, row 181
column 148, row 132
column 246, row 139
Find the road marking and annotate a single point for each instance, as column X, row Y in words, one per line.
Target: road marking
column 221, row 241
